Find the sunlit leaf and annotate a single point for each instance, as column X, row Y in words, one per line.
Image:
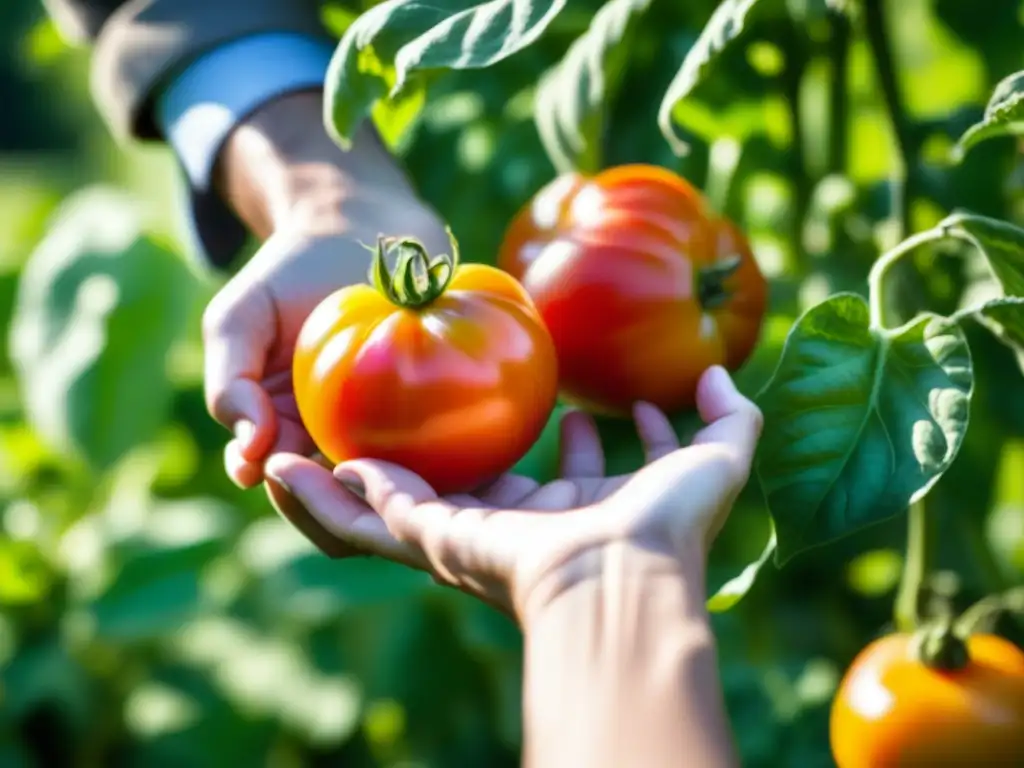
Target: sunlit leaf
column 1004, row 115
column 99, row 305
column 25, row 575
column 572, row 98
column 314, row 588
column 1002, row 244
column 393, row 43
column 737, row 587
column 1004, row 317
column 155, row 592
column 725, row 25
column 859, row 421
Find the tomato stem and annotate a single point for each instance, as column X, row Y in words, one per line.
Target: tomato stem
column 711, row 290
column 984, row 612
column 941, row 647
column 915, row 568
column 417, row 280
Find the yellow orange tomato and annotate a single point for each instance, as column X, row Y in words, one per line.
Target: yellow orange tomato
column 445, row 369
column 894, row 711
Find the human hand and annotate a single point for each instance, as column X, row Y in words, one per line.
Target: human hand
column 517, row 545
column 315, row 206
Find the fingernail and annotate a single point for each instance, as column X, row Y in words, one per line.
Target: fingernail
column 721, row 378
column 245, row 430
column 275, row 479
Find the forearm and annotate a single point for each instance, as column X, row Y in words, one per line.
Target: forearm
column 280, row 166
column 621, row 670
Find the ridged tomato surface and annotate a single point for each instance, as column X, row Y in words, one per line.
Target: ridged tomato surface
column 640, row 285
column 456, row 391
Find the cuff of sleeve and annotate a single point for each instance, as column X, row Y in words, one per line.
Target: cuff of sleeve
column 201, row 108
column 205, row 103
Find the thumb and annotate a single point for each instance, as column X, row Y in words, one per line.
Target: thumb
column 734, row 422
column 237, row 335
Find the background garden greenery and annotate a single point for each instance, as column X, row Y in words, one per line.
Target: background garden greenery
column 152, row 614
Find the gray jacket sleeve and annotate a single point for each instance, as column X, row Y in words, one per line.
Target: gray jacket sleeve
column 137, row 44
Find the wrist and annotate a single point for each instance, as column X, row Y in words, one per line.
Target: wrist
column 615, row 569
column 630, row 652
column 280, row 169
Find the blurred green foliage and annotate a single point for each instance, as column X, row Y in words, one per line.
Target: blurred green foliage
column 152, row 614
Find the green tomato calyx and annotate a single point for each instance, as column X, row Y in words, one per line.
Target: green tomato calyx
column 939, row 646
column 712, row 291
column 417, row 279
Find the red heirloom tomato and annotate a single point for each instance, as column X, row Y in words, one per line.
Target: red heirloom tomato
column 444, row 369
column 894, row 710
column 640, row 285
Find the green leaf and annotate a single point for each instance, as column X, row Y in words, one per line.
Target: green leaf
column 726, row 24
column 734, row 590
column 312, row 588
column 155, row 592
column 1005, row 319
column 14, row 755
column 1007, row 316
column 1001, row 243
column 25, row 575
column 42, row 673
column 1004, row 115
column 388, row 49
column 859, row 422
column 571, row 101
column 98, row 307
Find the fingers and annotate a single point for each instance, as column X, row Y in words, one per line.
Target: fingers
column 655, row 430
column 415, row 515
column 733, row 421
column 291, row 438
column 508, row 491
column 395, row 492
column 581, row 453
column 243, row 473
column 553, row 497
column 238, row 330
column 328, row 514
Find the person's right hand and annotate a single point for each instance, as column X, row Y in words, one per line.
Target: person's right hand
column 251, row 325
column 315, row 206
column 517, row 545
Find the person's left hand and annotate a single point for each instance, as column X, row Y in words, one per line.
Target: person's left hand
column 518, row 545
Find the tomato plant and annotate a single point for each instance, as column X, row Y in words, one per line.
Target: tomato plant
column 442, row 368
column 930, row 698
column 837, row 134
column 641, row 285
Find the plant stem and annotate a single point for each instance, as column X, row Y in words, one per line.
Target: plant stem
column 793, row 75
column 915, row 568
column 919, row 546
column 881, row 267
column 904, row 183
column 839, row 93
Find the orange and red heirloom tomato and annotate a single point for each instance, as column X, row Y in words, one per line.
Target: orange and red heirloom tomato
column 894, row 711
column 640, row 285
column 444, row 369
